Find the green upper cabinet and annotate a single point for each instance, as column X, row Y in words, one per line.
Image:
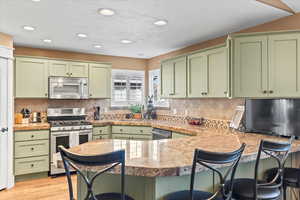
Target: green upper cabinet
column 167, row 79
column 179, row 77
column 266, row 66
column 58, row 68
column 250, row 66
column 100, row 80
column 208, row 73
column 197, row 75
column 78, row 69
column 65, row 68
column 173, row 78
column 31, row 78
column 284, row 71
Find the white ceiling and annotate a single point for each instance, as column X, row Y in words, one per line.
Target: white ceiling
column 190, row 22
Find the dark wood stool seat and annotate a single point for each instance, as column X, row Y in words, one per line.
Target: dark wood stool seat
column 185, row 194
column 210, row 160
column 244, row 189
column 111, row 196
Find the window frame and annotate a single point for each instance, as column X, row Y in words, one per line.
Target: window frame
column 151, row 74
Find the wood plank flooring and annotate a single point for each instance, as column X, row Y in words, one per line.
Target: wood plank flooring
column 39, row 189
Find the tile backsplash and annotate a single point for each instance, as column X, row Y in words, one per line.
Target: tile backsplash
column 221, row 109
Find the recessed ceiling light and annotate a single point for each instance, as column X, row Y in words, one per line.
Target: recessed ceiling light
column 125, row 41
column 28, row 28
column 82, row 35
column 97, row 46
column 36, row 0
column 160, row 22
column 47, row 40
column 106, row 11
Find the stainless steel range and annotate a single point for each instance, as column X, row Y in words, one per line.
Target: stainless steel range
column 68, row 127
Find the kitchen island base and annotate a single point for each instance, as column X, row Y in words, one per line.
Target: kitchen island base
column 156, row 188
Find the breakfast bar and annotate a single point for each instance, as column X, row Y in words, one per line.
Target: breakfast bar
column 157, row 167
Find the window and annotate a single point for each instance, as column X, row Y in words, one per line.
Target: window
column 154, row 89
column 127, row 88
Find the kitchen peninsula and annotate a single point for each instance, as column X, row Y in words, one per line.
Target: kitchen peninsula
column 155, row 168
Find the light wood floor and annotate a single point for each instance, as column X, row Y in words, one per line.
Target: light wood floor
column 39, row 189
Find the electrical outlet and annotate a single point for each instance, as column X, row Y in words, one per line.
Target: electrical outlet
column 174, row 111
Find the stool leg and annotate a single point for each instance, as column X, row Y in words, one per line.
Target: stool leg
column 284, row 192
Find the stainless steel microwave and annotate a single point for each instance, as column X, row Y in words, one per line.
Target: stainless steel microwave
column 68, row 88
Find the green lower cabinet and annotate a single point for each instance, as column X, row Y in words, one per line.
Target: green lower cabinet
column 100, row 137
column 31, row 152
column 132, row 132
column 176, row 135
column 131, row 137
column 31, row 165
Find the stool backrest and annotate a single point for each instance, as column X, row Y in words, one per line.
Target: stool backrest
column 279, row 151
column 75, row 161
column 212, row 160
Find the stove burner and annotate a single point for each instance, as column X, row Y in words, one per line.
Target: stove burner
column 69, row 123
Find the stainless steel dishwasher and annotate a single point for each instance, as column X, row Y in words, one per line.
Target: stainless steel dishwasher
column 158, row 134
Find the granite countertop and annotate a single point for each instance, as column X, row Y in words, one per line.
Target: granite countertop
column 31, row 126
column 173, row 157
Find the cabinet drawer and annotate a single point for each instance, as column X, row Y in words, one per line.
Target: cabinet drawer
column 31, row 165
column 31, row 148
column 178, row 135
column 131, row 137
column 132, row 129
column 31, row 135
column 101, row 130
column 100, row 137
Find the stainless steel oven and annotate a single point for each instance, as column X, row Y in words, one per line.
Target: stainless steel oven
column 68, row 128
column 68, row 88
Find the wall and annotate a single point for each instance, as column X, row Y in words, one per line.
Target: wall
column 6, row 40
column 217, row 108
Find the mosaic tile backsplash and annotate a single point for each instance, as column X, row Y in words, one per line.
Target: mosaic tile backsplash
column 180, row 109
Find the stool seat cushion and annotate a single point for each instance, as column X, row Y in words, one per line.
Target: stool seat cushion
column 185, row 195
column 111, row 196
column 244, row 189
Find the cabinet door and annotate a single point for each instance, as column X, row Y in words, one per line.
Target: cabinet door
column 250, row 66
column 78, row 69
column 284, row 58
column 100, row 80
column 180, row 78
column 167, row 79
column 31, row 78
column 58, row 68
column 197, row 75
column 218, row 72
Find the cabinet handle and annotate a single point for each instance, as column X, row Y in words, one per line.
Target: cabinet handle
column 32, row 165
column 46, row 94
column 265, row 91
column 271, row 91
column 68, row 73
column 32, row 136
column 91, row 95
column 100, row 131
column 121, row 130
column 225, row 92
column 71, row 74
column 141, row 131
column 32, row 149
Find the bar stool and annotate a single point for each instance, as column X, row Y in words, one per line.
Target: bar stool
column 209, row 160
column 291, row 178
column 253, row 189
column 112, row 159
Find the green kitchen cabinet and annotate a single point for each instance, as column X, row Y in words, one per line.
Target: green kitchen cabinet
column 197, row 75
column 101, row 137
column 58, row 68
column 284, row 71
column 132, row 132
column 78, row 69
column 173, row 76
column 68, row 69
column 101, row 132
column 208, row 73
column 100, row 80
column 250, row 66
column 31, row 78
column 167, row 79
column 176, row 135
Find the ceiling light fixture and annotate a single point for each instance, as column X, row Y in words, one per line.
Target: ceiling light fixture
column 36, row 0
column 28, row 28
column 106, row 11
column 160, row 22
column 47, row 40
column 82, row 35
column 125, row 41
column 97, row 46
